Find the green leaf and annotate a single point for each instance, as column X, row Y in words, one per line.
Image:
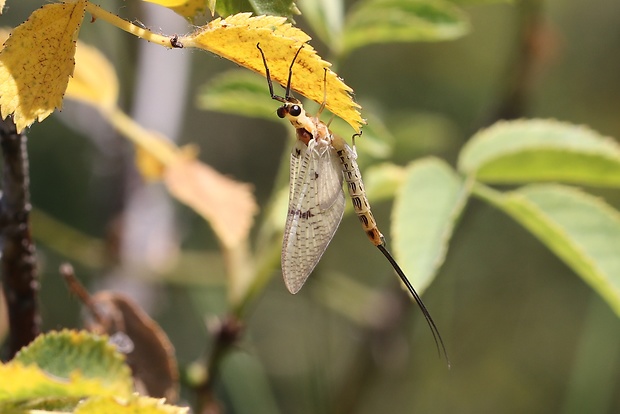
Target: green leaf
column 383, row 180
column 541, row 150
column 59, row 369
column 63, row 370
column 238, row 92
column 63, row 354
column 580, row 229
column 228, row 7
column 285, row 8
column 426, row 209
column 326, row 17
column 383, row 21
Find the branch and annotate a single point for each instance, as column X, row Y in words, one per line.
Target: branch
column 18, row 263
column 226, row 332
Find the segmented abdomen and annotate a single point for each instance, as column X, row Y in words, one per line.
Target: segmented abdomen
column 361, row 206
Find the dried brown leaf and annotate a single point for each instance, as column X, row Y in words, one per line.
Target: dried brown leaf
column 225, row 203
column 151, row 355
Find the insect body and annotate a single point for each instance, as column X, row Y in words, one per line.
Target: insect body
column 319, row 161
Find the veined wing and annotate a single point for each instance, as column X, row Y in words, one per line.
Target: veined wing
column 316, row 205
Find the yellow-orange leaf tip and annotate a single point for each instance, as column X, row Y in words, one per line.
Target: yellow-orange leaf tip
column 235, row 38
column 229, row 206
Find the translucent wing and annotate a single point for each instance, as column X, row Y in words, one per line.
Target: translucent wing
column 316, row 205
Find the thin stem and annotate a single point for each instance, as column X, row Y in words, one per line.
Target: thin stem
column 99, row 13
column 226, row 332
column 487, row 194
column 164, row 151
column 75, row 287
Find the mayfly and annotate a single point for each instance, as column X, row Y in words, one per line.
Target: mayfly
column 319, row 162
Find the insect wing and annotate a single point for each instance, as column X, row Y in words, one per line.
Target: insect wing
column 316, row 205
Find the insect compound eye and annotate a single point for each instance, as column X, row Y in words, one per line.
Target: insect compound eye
column 295, row 110
column 282, row 111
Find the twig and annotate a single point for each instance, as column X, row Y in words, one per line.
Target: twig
column 19, row 278
column 226, row 333
column 99, row 13
column 76, row 288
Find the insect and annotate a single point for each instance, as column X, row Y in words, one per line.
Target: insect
column 319, row 162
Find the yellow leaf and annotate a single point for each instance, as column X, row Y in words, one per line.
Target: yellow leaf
column 37, row 60
column 30, row 382
column 134, row 405
column 94, row 80
column 169, row 3
column 226, row 204
column 2, row 5
column 186, row 8
column 235, row 38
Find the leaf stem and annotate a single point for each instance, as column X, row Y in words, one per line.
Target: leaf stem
column 487, row 194
column 163, row 151
column 141, row 32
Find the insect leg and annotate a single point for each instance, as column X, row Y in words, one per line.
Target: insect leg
column 318, row 113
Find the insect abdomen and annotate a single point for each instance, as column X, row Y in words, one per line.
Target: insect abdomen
column 355, row 186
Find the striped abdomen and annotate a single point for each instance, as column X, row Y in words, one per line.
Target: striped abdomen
column 361, row 206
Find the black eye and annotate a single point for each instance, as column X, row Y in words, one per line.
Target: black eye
column 295, row 110
column 281, row 111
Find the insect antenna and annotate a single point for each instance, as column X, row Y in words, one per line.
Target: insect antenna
column 290, row 74
column 318, row 113
column 441, row 348
column 287, row 95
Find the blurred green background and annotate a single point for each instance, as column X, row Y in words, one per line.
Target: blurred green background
column 524, row 333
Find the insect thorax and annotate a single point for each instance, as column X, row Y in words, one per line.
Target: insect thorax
column 304, row 136
column 313, row 129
